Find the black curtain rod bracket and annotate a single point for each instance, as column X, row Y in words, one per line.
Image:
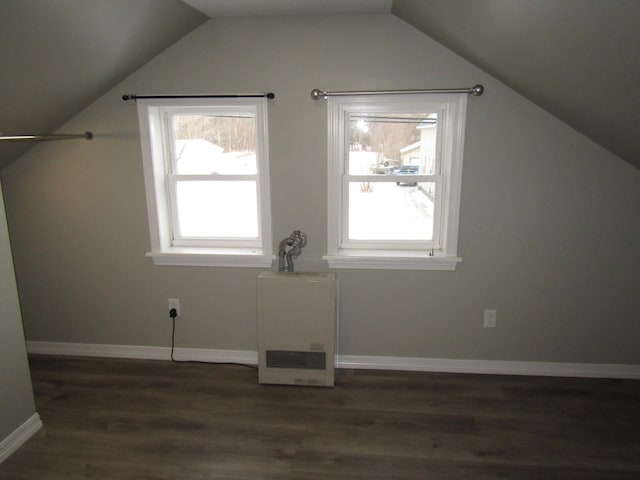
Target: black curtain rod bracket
column 133, row 96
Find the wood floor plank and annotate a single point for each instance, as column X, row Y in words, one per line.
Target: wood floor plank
column 135, row 419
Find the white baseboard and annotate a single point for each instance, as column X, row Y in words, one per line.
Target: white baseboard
column 19, row 436
column 442, row 365
column 493, row 367
column 141, row 352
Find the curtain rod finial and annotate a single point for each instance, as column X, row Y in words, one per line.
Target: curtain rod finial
column 477, row 90
column 316, row 94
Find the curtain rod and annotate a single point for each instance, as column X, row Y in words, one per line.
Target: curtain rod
column 40, row 138
column 476, row 91
column 133, row 96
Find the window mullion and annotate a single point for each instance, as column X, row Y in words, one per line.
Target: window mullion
column 213, row 178
column 391, row 178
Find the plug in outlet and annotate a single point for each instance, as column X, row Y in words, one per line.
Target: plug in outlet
column 174, row 303
column 490, row 318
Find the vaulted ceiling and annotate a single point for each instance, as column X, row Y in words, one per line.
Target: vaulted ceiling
column 577, row 59
column 58, row 56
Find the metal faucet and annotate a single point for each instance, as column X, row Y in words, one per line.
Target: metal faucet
column 290, row 247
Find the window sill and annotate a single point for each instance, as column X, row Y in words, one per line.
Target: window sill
column 212, row 257
column 391, row 260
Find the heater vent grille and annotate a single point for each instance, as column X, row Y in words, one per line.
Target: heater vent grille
column 303, row 360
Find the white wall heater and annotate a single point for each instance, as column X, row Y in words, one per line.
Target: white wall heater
column 296, row 328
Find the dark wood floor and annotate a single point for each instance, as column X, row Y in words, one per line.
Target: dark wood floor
column 133, row 419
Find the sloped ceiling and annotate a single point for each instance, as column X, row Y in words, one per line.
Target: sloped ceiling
column 577, row 59
column 58, row 56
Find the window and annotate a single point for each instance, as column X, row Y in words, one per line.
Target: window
column 206, row 174
column 395, row 167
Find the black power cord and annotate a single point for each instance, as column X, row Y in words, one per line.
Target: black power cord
column 173, row 313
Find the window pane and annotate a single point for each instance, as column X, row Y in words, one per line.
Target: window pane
column 388, row 211
column 383, row 143
column 217, row 209
column 223, row 144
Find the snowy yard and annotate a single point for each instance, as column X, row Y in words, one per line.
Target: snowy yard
column 389, row 212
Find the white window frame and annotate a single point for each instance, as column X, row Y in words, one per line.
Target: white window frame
column 157, row 155
column 442, row 254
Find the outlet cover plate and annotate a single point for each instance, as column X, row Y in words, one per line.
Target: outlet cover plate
column 174, row 303
column 490, row 318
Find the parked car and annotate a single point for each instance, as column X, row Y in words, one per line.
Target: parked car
column 389, row 166
column 381, row 169
column 407, row 170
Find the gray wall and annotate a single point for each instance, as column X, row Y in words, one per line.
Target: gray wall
column 548, row 233
column 16, row 401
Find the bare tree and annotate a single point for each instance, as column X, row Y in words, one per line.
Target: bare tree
column 232, row 133
column 386, row 134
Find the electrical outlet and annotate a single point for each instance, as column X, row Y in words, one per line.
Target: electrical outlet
column 490, row 318
column 175, row 303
